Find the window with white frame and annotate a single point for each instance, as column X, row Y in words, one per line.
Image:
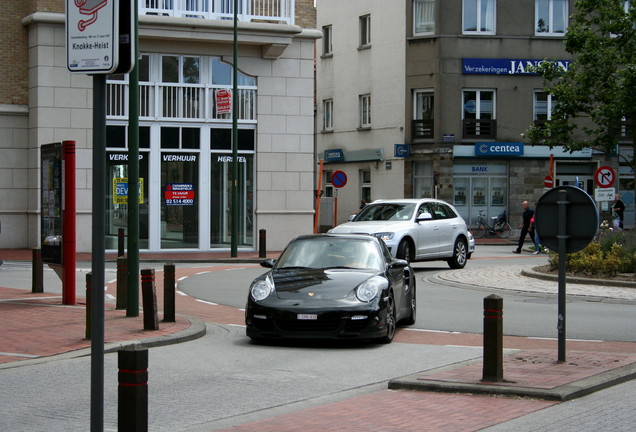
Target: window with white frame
column 365, row 31
column 551, row 17
column 479, row 16
column 365, row 186
column 365, row 111
column 327, row 40
column 423, row 114
column 423, row 17
column 543, row 104
column 478, row 114
column 327, row 106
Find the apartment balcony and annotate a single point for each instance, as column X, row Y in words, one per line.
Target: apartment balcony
column 479, row 129
column 271, row 11
column 178, row 102
column 422, row 129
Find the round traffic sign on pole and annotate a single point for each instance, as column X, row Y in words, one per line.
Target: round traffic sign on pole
column 338, row 179
column 548, row 181
column 604, row 177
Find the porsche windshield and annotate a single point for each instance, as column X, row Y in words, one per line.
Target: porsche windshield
column 386, row 212
column 330, row 252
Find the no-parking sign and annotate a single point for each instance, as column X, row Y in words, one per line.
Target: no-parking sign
column 338, row 179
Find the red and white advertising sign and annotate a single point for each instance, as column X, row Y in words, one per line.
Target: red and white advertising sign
column 179, row 194
column 604, row 177
column 223, row 101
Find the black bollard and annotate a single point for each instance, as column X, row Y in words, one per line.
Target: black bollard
column 37, row 272
column 89, row 301
column 262, row 243
column 493, row 339
column 122, row 282
column 149, row 294
column 121, row 245
column 168, row 293
column 132, row 406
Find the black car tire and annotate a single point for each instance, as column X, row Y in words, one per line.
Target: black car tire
column 410, row 319
column 404, row 250
column 460, row 255
column 391, row 323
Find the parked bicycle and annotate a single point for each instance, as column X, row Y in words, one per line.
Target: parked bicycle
column 500, row 226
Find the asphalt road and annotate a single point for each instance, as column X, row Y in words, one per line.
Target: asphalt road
column 460, row 309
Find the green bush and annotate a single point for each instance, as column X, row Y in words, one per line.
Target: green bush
column 610, row 253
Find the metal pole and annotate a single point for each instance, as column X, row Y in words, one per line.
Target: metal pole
column 99, row 207
column 234, row 241
column 132, row 296
column 562, row 239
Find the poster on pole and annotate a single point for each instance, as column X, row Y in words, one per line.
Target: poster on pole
column 92, row 36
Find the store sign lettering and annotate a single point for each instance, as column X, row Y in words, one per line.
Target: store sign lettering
column 179, row 158
column 241, row 159
column 480, row 169
column 507, row 66
column 499, row 149
column 121, row 157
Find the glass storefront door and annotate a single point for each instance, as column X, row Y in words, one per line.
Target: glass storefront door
column 117, row 195
column 480, row 186
column 180, row 200
column 221, row 200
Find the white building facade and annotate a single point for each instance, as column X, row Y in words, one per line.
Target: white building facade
column 185, row 134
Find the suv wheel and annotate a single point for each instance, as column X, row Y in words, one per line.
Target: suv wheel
column 404, row 250
column 460, row 255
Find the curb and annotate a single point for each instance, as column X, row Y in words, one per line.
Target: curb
column 197, row 329
column 566, row 392
column 574, row 279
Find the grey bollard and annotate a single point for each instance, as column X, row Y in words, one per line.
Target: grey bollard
column 149, row 294
column 168, row 293
column 132, row 404
column 37, row 272
column 493, row 339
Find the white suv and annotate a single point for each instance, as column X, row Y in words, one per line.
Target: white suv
column 416, row 229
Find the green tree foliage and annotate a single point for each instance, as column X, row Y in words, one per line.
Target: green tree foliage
column 598, row 91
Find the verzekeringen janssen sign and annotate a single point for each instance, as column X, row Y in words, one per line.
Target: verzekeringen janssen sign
column 91, row 35
column 505, row 66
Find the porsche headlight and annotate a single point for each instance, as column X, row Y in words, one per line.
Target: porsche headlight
column 384, row 235
column 261, row 289
column 368, row 290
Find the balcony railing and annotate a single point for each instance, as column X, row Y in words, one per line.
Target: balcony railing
column 479, row 129
column 422, row 129
column 279, row 11
column 182, row 102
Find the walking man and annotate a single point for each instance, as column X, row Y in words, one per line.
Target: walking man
column 527, row 215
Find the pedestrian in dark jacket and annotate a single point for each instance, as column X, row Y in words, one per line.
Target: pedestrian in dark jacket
column 526, row 227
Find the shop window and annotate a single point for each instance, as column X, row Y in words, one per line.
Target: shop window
column 423, row 17
column 365, row 185
column 551, row 17
column 221, row 139
column 479, row 16
column 177, row 137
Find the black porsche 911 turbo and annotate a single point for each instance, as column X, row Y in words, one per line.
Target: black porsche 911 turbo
column 332, row 286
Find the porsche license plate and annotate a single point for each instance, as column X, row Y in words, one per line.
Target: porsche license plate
column 307, row 316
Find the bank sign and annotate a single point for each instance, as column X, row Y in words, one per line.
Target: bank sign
column 498, row 149
column 505, row 66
